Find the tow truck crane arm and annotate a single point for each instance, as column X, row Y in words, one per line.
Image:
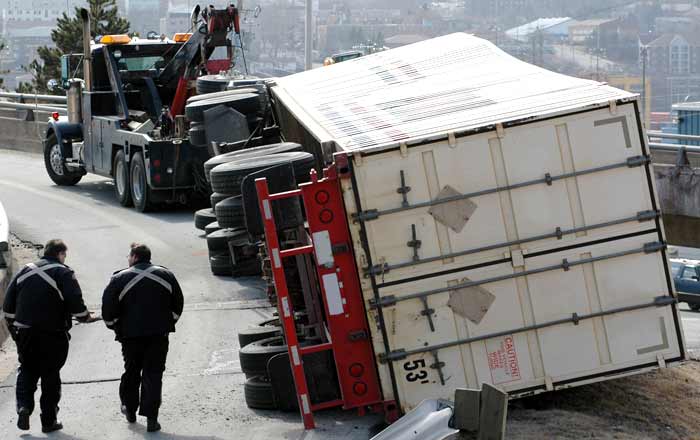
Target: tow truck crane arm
column 210, row 32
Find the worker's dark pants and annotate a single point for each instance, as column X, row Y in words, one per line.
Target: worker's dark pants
column 144, row 364
column 41, row 356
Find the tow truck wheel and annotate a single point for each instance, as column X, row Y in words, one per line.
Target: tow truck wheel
column 121, row 179
column 140, row 191
column 56, row 164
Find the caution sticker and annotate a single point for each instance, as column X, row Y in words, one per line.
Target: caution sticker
column 503, row 359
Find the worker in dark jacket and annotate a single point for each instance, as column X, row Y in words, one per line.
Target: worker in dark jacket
column 40, row 302
column 142, row 304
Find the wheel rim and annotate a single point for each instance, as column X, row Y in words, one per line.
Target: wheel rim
column 120, row 178
column 56, row 159
column 137, row 183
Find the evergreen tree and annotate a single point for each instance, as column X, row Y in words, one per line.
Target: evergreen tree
column 68, row 38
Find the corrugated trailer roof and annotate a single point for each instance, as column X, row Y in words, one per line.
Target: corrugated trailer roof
column 454, row 83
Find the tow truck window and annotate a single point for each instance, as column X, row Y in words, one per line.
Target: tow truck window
column 141, row 64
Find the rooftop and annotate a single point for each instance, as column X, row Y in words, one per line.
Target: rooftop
column 541, row 24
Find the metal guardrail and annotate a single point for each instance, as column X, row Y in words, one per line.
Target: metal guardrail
column 32, row 97
column 30, row 103
column 33, row 107
column 662, row 146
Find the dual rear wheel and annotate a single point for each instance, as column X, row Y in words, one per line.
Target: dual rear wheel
column 130, row 184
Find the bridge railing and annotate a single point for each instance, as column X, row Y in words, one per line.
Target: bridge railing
column 31, row 107
column 656, row 136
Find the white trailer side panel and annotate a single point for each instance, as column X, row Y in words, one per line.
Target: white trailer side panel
column 600, row 185
column 546, row 269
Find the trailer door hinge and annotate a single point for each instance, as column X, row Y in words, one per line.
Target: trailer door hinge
column 660, row 359
column 638, row 161
column 377, row 269
column 644, row 216
column 370, row 214
column 500, row 131
column 395, row 355
column 387, row 301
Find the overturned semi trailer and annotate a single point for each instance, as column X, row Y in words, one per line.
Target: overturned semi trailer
column 502, row 219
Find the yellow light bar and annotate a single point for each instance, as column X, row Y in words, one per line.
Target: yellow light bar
column 115, row 39
column 182, row 37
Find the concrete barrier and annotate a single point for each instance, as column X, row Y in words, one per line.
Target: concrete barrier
column 20, row 135
column 6, row 269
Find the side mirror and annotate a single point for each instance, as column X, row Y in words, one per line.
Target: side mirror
column 65, row 70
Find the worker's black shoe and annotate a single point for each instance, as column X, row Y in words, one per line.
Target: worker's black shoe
column 55, row 426
column 23, row 419
column 130, row 415
column 152, row 425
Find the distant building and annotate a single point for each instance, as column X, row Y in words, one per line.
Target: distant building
column 403, row 40
column 673, row 65
column 581, row 31
column 555, row 27
column 176, row 20
column 23, row 42
column 634, row 84
column 144, row 16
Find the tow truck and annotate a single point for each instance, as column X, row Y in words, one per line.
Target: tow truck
column 125, row 115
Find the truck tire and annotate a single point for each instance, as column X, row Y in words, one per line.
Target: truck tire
column 55, row 164
column 140, row 191
column 258, row 393
column 249, row 267
column 218, row 241
column 260, row 331
column 263, row 150
column 212, row 227
column 229, row 213
column 212, row 84
column 122, row 187
column 216, row 198
column 244, row 103
column 227, row 177
column 197, row 135
column 203, row 217
column 254, row 356
column 221, row 264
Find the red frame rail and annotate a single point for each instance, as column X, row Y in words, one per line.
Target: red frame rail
column 345, row 317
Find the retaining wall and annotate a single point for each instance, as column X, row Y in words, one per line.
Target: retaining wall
column 21, row 135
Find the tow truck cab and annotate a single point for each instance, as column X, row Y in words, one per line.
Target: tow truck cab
column 122, row 108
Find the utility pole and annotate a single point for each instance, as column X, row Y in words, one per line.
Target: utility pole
column 308, row 35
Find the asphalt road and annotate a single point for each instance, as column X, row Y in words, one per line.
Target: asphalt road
column 203, row 395
column 203, row 388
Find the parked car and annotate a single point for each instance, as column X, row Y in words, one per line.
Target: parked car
column 686, row 275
